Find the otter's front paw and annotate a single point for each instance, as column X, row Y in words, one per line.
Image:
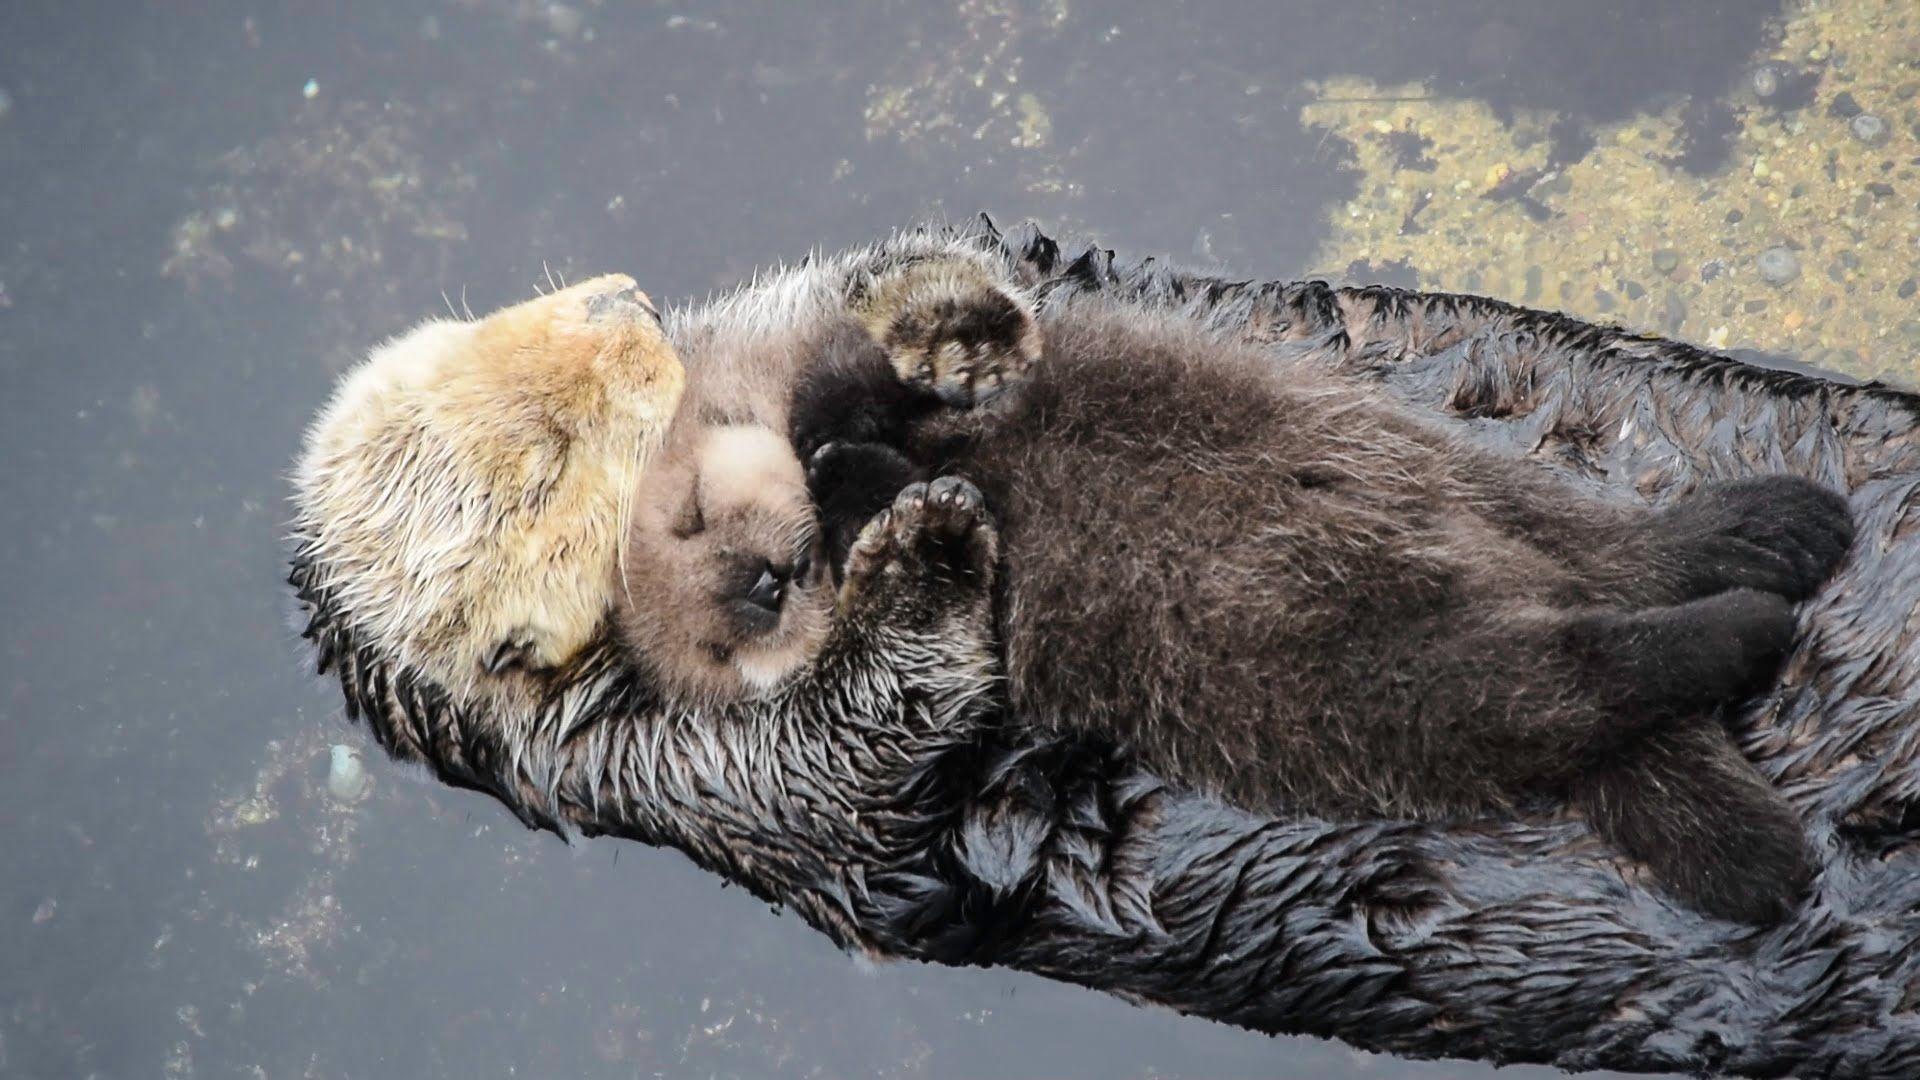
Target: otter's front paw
column 849, row 484
column 1782, row 534
column 964, row 342
column 935, row 534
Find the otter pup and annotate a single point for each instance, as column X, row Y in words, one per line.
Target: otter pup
column 725, row 591
column 1286, row 589
column 723, row 548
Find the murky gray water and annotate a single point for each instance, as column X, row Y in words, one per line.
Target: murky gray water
column 205, row 217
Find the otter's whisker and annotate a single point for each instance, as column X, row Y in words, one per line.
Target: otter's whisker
column 630, row 476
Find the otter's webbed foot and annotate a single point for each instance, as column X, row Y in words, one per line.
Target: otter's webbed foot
column 950, row 329
column 1780, row 534
column 1688, row 657
column 936, row 538
column 1710, row 827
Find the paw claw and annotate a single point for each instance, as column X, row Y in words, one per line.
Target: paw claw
column 965, row 344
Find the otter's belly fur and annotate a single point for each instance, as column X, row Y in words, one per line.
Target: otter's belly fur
column 1279, row 587
column 1285, row 592
column 1263, row 591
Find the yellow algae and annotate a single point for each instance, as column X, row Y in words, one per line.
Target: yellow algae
column 1624, row 235
column 1036, row 127
column 963, row 90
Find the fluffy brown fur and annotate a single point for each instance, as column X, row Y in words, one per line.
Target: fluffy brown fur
column 1284, row 589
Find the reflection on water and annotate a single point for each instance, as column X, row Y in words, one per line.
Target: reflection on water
column 206, row 217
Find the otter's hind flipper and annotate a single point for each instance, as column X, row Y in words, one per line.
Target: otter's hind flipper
column 1685, row 658
column 1709, row 826
column 1783, row 534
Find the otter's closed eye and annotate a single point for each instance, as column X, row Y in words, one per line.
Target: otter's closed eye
column 690, row 521
column 510, row 653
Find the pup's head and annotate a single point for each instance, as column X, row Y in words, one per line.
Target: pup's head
column 723, row 589
column 462, row 499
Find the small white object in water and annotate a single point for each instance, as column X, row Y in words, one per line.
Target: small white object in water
column 346, row 777
column 311, row 90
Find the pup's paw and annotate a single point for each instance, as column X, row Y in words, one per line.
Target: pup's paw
column 935, row 534
column 849, row 484
column 1782, row 534
column 950, row 330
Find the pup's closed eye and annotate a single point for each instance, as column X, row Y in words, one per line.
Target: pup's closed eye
column 690, row 521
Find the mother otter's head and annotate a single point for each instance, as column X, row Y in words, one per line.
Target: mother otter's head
column 462, row 499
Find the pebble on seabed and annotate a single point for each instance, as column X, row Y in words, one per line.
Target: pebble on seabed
column 1779, row 265
column 346, row 777
column 1868, row 128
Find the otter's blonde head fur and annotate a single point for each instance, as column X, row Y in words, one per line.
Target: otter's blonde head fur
column 724, row 589
column 467, row 488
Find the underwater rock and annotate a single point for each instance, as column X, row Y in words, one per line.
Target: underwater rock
column 1868, row 128
column 346, row 776
column 1778, row 265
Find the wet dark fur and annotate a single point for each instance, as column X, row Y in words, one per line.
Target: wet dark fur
column 1288, row 591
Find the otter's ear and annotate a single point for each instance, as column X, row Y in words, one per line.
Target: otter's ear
column 689, row 521
column 515, row 651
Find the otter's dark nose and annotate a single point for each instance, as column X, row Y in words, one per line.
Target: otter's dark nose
column 621, row 304
column 768, row 590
